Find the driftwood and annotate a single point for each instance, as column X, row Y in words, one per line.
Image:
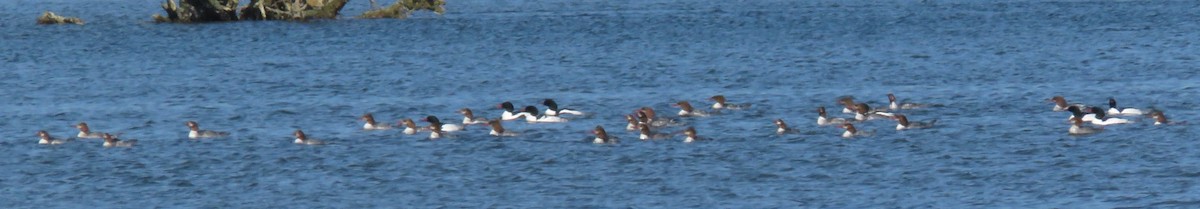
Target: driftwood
column 403, row 8
column 292, row 9
column 194, row 11
column 51, row 18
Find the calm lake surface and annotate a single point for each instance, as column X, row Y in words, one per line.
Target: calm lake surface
column 990, row 65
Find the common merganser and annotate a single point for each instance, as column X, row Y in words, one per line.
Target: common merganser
column 195, row 132
column 510, row 112
column 1161, row 119
column 435, row 131
column 371, row 124
column 782, row 128
column 1113, row 110
column 690, row 135
column 553, row 110
column 1104, row 121
column 645, row 116
column 633, row 122
column 720, row 103
column 903, row 123
column 86, row 133
column 1060, row 104
column 410, row 127
column 469, row 117
column 686, row 110
column 848, row 105
column 823, row 120
column 112, row 141
column 1077, row 113
column 1078, row 129
column 865, row 113
column 892, row 105
column 45, row 138
column 602, row 136
column 852, row 132
column 498, row 129
column 646, row 134
column 532, row 117
column 435, row 122
column 303, row 139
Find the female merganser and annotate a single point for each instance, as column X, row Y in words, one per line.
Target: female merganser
column 44, row 138
column 86, row 133
column 410, row 127
column 822, row 119
column 1077, row 113
column 646, row 134
column 498, row 130
column 782, row 128
column 851, row 132
column 1113, row 110
column 645, row 116
column 371, row 124
column 511, row 114
column 532, row 117
column 1078, row 129
column 303, row 139
column 434, row 122
column 469, row 117
column 435, row 131
column 602, row 136
column 196, row 133
column 865, row 113
column 1161, row 119
column 690, row 135
column 720, row 99
column 686, row 110
column 1060, row 104
column 848, row 105
column 112, row 141
column 903, row 123
column 553, row 110
column 892, row 105
column 633, row 122
column 1103, row 121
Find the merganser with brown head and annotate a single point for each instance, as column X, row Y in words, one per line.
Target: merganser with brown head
column 195, row 132
column 370, row 123
column 721, row 104
column 45, row 138
column 86, row 133
column 112, row 141
column 303, row 139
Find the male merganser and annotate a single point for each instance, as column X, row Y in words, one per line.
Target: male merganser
column 1077, row 113
column 1161, row 119
column 848, row 105
column 510, row 112
column 689, row 135
column 410, row 127
column 498, row 129
column 892, row 105
column 720, row 99
column 782, row 128
column 303, row 139
column 602, row 136
column 822, row 119
column 469, row 117
column 434, row 122
column 903, row 123
column 1060, row 104
column 686, row 110
column 86, row 133
column 371, row 124
column 196, row 133
column 1078, row 129
column 646, row 134
column 851, row 132
column 1103, row 121
column 532, row 117
column 553, row 110
column 1113, row 110
column 865, row 113
column 44, row 138
column 112, row 141
column 633, row 122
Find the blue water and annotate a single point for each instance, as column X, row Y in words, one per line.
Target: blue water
column 992, row 65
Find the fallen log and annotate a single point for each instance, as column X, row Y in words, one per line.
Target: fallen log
column 51, row 18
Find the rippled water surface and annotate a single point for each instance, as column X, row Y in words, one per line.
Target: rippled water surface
column 992, row 66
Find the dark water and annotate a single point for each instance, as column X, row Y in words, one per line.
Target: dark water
column 991, row 64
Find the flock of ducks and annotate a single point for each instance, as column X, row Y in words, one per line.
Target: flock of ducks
column 645, row 121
